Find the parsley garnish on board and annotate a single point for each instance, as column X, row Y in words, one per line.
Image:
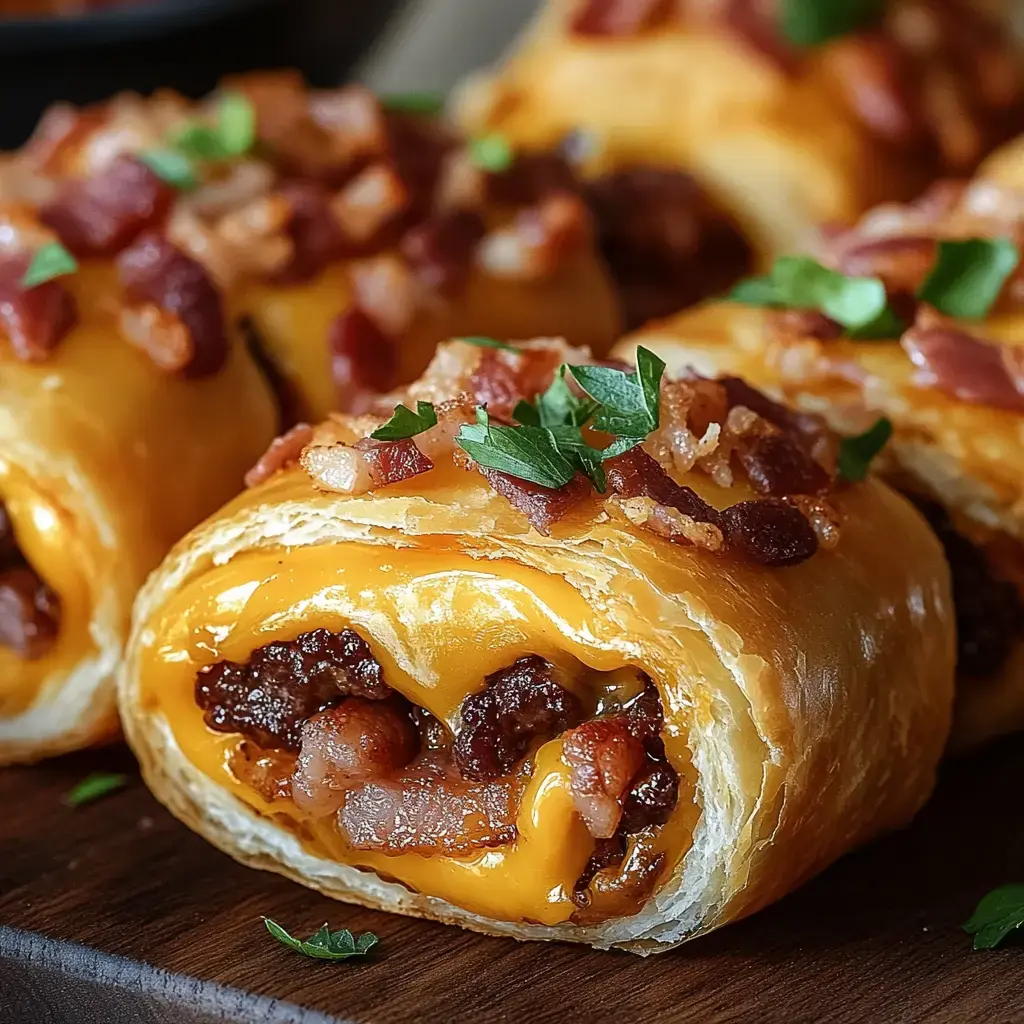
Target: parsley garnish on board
column 49, row 261
column 811, row 22
column 998, row 915
column 325, row 944
column 969, row 275
column 92, row 787
column 799, row 282
column 406, row 423
column 857, row 453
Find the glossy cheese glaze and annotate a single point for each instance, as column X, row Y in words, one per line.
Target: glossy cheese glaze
column 438, row 622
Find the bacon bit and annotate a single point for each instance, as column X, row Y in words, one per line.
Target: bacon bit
column 777, row 465
column 238, row 184
column 390, row 462
column 770, row 531
column 268, row 772
column 966, row 367
column 315, row 235
column 386, row 292
column 543, row 506
column 181, row 317
column 284, row 451
column 337, row 468
column 260, row 237
column 501, row 378
column 439, row 441
column 604, row 756
column 354, row 118
column 797, row 324
column 619, row 17
column 667, row 522
column 345, row 746
column 369, row 203
column 440, row 251
column 739, row 392
column 518, row 706
column 101, row 215
column 539, row 241
column 822, row 516
column 34, row 319
column 429, row 808
column 870, row 70
column 363, row 358
column 635, row 474
column 463, row 184
column 419, row 148
column 902, row 263
column 532, row 179
column 60, row 127
column 29, row 613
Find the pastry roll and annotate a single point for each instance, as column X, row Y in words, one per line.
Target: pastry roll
column 469, row 662
column 128, row 411
column 349, row 236
column 942, row 367
column 778, row 116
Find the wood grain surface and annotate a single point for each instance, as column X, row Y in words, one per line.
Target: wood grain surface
column 114, row 913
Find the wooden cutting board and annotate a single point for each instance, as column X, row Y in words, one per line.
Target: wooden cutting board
column 115, row 913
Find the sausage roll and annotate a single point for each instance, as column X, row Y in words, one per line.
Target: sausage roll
column 766, row 117
column 526, row 654
column 350, row 235
column 942, row 364
column 128, row 411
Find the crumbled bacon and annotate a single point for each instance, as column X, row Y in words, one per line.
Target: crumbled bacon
column 770, row 531
column 181, row 315
column 619, row 17
column 501, row 378
column 336, row 467
column 902, row 262
column 543, row 506
column 430, row 808
column 362, row 356
column 284, row 451
column 348, row 744
column 99, row 216
column 369, row 203
column 440, row 250
column 519, row 705
column 268, row 772
column 390, row 462
column 959, row 364
column 385, row 290
column 269, row 697
column 34, row 319
column 777, row 465
column 353, row 117
column 531, row 179
column 29, row 613
column 667, row 522
column 604, row 756
column 316, row 236
column 797, row 324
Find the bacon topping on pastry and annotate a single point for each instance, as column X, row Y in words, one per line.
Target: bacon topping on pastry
column 543, row 506
column 620, row 17
column 967, row 367
column 99, row 216
column 29, row 609
column 440, row 250
column 284, row 451
column 173, row 310
column 35, row 319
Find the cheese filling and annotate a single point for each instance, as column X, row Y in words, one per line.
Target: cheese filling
column 438, row 624
column 49, row 544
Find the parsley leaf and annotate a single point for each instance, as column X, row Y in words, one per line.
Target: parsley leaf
column 628, row 401
column 92, row 787
column 557, row 407
column 490, row 343
column 236, row 124
column 406, row 423
column 425, row 104
column 172, row 166
column 325, row 944
column 528, row 453
column 969, row 275
column 997, row 916
column 799, row 282
column 48, row 261
column 491, row 153
column 856, row 453
column 810, row 22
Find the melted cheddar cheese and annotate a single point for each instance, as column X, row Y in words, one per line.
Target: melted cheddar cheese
column 438, row 622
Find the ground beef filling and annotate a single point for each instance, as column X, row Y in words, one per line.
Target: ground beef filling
column 989, row 610
column 321, row 727
column 29, row 609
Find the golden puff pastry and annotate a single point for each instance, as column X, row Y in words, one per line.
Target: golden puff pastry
column 348, row 236
column 784, row 124
column 408, row 678
column 947, row 376
column 105, row 460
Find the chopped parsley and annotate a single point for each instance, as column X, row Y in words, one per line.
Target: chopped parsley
column 325, row 944
column 481, row 342
column 172, row 166
column 94, row 786
column 48, row 261
column 999, row 915
column 857, row 453
column 492, row 153
column 422, row 104
column 406, row 423
column 969, row 275
column 812, row 22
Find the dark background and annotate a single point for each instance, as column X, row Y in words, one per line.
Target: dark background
column 183, row 44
